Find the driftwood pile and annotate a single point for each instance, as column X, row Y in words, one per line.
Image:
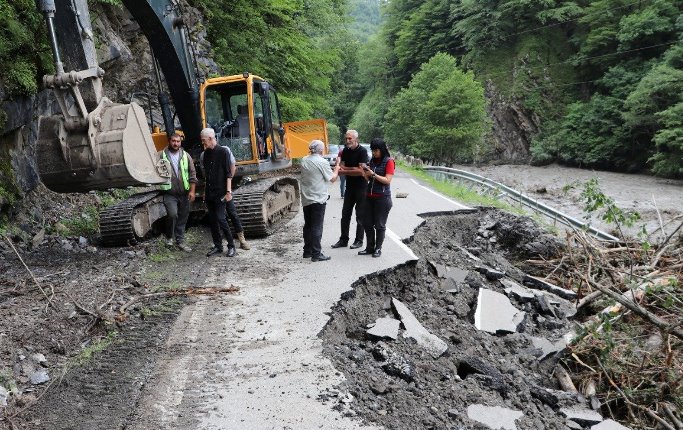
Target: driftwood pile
column 627, row 355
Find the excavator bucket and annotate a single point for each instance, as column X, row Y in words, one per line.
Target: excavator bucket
column 114, row 150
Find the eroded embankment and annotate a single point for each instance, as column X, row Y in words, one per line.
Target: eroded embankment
column 400, row 384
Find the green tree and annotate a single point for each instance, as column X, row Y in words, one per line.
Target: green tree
column 369, row 115
column 440, row 115
column 653, row 111
column 291, row 43
column 24, row 53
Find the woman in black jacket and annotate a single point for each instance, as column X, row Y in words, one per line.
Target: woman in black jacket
column 378, row 173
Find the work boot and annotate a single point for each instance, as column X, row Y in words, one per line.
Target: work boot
column 231, row 251
column 340, row 244
column 321, row 257
column 184, row 247
column 356, row 244
column 243, row 242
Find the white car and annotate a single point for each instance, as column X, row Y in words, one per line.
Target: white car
column 331, row 155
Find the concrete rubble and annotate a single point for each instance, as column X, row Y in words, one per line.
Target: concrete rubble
column 516, row 291
column 484, row 349
column 582, row 416
column 385, row 328
column 538, row 283
column 413, row 329
column 495, row 313
column 609, row 425
column 494, row 417
column 546, row 347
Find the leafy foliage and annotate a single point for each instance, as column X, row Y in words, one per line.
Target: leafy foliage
column 369, row 115
column 22, row 47
column 601, row 79
column 291, row 43
column 440, row 115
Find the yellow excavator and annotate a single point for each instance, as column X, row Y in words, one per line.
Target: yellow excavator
column 95, row 144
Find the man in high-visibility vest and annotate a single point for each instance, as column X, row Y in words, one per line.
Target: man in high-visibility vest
column 179, row 192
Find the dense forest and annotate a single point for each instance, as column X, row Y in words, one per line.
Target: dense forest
column 600, row 81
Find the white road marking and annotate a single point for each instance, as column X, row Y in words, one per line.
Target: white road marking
column 393, row 236
column 460, row 205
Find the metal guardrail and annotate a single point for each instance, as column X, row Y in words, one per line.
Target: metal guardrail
column 523, row 199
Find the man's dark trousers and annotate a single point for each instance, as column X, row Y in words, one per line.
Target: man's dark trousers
column 218, row 223
column 177, row 211
column 353, row 196
column 232, row 214
column 314, row 215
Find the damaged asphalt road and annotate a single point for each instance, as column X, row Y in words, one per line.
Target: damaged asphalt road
column 274, row 356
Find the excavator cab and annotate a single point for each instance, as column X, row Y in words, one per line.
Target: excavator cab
column 244, row 112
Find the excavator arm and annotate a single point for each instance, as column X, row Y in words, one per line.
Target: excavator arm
column 166, row 33
column 91, row 143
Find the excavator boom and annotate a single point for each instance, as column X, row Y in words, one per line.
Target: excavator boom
column 92, row 144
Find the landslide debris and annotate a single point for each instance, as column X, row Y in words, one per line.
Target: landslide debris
column 506, row 334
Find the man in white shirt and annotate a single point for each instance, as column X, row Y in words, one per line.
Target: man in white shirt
column 315, row 174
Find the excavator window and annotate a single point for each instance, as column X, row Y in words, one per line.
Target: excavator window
column 227, row 114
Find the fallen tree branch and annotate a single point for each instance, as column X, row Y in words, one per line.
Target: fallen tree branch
column 630, row 403
column 664, row 245
column 637, row 309
column 82, row 308
column 49, row 299
column 670, row 413
column 586, row 300
column 179, row 292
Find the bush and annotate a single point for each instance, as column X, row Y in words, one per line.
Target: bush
column 440, row 115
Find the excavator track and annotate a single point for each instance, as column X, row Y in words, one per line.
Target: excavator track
column 267, row 204
column 263, row 206
column 129, row 221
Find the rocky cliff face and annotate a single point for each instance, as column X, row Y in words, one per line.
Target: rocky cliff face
column 124, row 54
column 512, row 128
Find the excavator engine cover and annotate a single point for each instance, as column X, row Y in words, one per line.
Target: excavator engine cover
column 115, row 150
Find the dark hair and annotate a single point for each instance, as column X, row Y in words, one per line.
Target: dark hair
column 378, row 143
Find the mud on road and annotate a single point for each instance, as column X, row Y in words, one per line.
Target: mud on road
column 79, row 362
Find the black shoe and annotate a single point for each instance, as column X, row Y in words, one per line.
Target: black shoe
column 231, row 252
column 377, row 253
column 308, row 255
column 340, row 244
column 366, row 251
column 214, row 251
column 321, row 257
column 356, row 244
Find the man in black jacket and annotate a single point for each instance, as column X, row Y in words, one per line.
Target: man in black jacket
column 217, row 174
column 353, row 158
